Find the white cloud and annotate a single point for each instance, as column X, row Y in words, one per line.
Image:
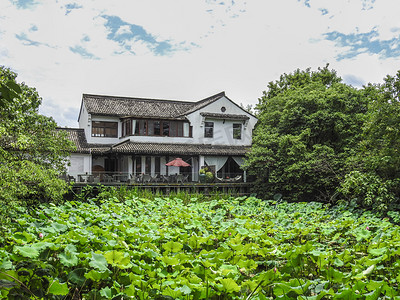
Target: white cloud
column 124, row 30
column 237, row 47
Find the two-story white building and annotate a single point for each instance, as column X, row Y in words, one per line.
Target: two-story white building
column 139, row 136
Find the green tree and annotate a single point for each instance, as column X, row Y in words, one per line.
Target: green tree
column 376, row 167
column 32, row 152
column 309, row 124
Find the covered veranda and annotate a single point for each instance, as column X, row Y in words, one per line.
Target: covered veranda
column 148, row 163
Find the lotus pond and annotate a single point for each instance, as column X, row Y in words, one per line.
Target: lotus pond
column 164, row 248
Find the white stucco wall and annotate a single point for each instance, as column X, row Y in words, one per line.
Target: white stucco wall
column 102, row 140
column 80, row 164
column 84, row 121
column 223, row 130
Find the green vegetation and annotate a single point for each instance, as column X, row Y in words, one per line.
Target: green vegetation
column 317, row 140
column 164, row 248
column 320, row 139
column 375, row 176
column 32, row 153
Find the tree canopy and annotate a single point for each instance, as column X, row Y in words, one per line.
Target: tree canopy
column 374, row 178
column 310, row 123
column 32, row 152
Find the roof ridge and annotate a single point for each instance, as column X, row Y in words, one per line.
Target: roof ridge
column 204, row 102
column 143, row 107
column 120, row 143
column 138, row 98
column 220, row 94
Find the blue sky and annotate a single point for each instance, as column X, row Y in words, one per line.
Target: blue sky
column 190, row 49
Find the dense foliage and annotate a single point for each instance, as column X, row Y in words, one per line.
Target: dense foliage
column 320, row 139
column 163, row 248
column 375, row 177
column 309, row 123
column 32, row 152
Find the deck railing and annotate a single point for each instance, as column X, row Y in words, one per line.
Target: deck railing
column 128, row 178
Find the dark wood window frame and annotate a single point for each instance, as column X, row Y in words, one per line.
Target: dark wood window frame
column 237, row 131
column 127, row 127
column 160, row 128
column 104, row 129
column 208, row 129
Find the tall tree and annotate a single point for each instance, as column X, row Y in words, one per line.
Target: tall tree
column 374, row 180
column 32, row 152
column 309, row 123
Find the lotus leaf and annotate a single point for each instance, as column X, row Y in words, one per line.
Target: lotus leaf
column 172, row 247
column 117, row 259
column 229, row 285
column 57, row 288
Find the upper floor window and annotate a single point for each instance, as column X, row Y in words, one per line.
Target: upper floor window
column 165, row 131
column 209, row 129
column 104, row 129
column 237, row 131
column 159, row 128
column 127, row 127
column 141, row 127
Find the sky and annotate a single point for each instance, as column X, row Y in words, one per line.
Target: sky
column 190, row 49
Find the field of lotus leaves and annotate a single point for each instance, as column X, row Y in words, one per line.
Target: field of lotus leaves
column 167, row 248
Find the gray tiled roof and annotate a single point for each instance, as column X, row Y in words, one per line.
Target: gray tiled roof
column 144, row 108
column 204, row 102
column 77, row 136
column 181, row 149
column 225, row 116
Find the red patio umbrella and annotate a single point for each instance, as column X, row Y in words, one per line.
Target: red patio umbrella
column 178, row 162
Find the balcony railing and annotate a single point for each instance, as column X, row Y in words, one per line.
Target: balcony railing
column 129, row 178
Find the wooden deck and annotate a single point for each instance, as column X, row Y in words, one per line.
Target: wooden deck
column 236, row 189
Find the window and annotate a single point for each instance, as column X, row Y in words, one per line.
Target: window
column 141, row 127
column 173, row 129
column 127, row 127
column 104, row 129
column 237, row 131
column 176, row 128
column 209, row 129
column 158, row 128
column 165, row 128
column 150, row 127
column 180, row 129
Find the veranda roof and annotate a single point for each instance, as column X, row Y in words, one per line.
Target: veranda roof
column 178, row 149
column 77, row 136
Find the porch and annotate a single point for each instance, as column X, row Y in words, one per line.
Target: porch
column 148, row 164
column 139, row 169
